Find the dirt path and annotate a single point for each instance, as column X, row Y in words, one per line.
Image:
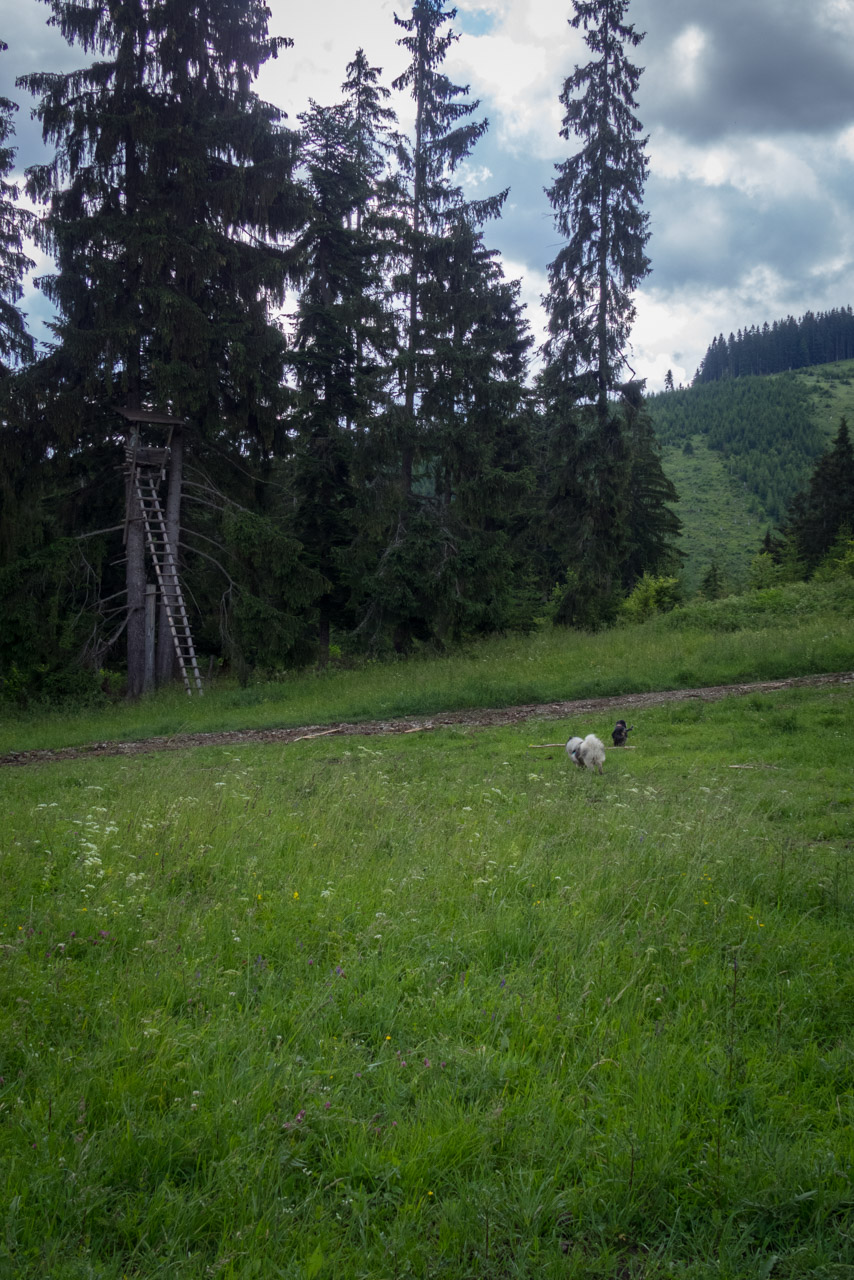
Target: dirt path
column 476, row 719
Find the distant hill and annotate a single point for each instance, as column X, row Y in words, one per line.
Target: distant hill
column 814, row 338
column 738, row 450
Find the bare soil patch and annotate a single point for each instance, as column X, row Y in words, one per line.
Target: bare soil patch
column 480, row 718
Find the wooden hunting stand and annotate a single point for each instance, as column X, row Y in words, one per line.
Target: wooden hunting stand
column 146, row 468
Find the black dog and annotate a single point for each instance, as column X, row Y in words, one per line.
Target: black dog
column 621, row 733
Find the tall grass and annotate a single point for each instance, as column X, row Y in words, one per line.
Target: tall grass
column 789, row 631
column 435, row 1006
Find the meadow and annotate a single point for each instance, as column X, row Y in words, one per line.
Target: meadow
column 436, row 1006
column 801, row 629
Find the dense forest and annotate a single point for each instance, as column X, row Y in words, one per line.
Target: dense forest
column 376, row 470
column 815, row 338
column 765, row 429
column 288, row 413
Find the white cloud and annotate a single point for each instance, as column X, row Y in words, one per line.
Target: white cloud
column 686, row 58
column 473, row 176
column 763, row 169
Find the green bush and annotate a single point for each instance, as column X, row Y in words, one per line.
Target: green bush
column 839, row 561
column 760, row 608
column 651, row 595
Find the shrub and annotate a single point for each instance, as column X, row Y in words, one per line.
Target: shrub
column 651, row 595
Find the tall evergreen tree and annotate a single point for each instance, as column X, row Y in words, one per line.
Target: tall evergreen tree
column 826, row 509
column 652, row 528
column 16, row 344
column 461, row 321
column 597, row 197
column 168, row 204
column 345, row 329
column 606, row 493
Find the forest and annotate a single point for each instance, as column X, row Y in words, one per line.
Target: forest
column 814, row 338
column 190, row 482
column 765, row 428
column 382, row 473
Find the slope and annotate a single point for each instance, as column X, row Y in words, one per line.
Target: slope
column 738, row 451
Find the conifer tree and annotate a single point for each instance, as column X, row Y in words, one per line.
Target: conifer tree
column 820, row 514
column 345, row 330
column 169, row 201
column 652, row 528
column 605, row 492
column 16, row 344
column 597, row 197
column 713, row 584
column 434, row 561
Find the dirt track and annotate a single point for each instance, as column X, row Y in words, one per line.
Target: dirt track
column 478, row 718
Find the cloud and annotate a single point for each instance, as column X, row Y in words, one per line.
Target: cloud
column 714, row 70
column 749, row 109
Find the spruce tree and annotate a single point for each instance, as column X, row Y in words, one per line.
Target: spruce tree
column 169, row 202
column 345, row 330
column 597, row 197
column 435, row 558
column 16, row 344
column 826, row 508
column 605, row 490
column 652, row 528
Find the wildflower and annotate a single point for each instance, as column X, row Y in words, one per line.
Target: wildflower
column 296, row 895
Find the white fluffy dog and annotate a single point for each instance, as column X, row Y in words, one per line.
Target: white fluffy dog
column 587, row 753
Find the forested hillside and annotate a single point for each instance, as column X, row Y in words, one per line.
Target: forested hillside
column 739, row 450
column 763, row 428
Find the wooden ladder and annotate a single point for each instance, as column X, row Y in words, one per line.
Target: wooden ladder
column 146, row 480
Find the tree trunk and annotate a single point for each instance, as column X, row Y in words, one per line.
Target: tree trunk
column 135, row 579
column 323, row 631
column 166, row 659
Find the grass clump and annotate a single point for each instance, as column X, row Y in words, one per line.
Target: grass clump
column 436, row 1006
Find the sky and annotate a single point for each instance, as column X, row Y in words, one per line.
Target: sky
column 749, row 110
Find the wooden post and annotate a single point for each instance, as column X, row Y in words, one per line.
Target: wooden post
column 150, row 616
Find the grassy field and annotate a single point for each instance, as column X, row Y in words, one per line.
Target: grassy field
column 721, row 517
column 802, row 629
column 437, row 1006
column 833, row 388
column 721, row 520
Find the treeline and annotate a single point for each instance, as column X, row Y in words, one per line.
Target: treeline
column 815, row 338
column 764, row 428
column 310, row 320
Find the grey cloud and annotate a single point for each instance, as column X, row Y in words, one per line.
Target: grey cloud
column 712, row 237
column 768, row 66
